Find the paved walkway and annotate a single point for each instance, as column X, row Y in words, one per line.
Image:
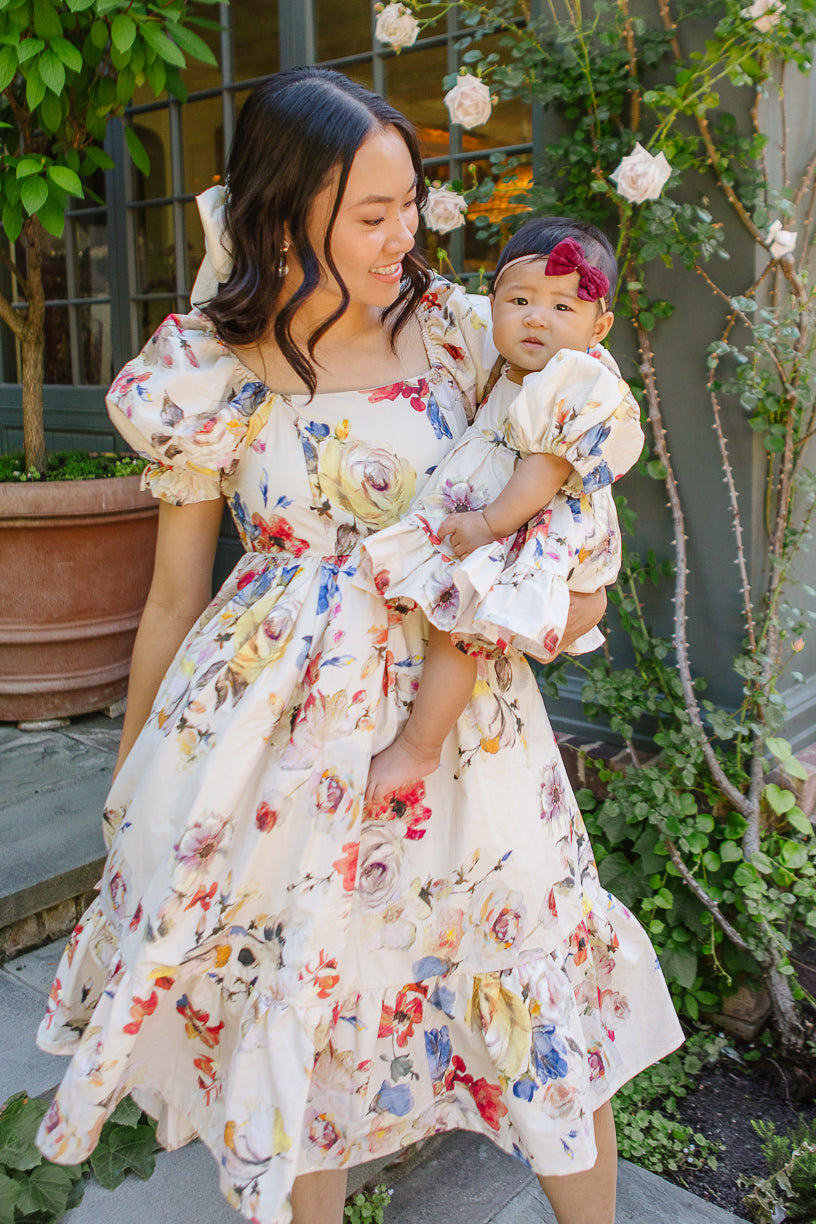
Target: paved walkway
column 53, row 786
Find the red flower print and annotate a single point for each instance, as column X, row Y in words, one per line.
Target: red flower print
column 382, row 581
column 457, row 353
column 323, row 980
column 203, row 897
column 277, row 535
column 404, row 804
column 401, row 1019
column 197, row 1025
column 488, row 1101
column 266, row 817
column 140, row 1009
column 127, row 380
column 347, row 865
column 578, row 943
column 430, row 299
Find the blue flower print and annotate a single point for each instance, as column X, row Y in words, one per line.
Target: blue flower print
column 591, row 442
column 440, row 1051
column 443, row 999
column 249, row 398
column 598, row 478
column 394, row 1099
column 525, row 1088
column 548, row 1053
column 429, row 966
column 440, row 426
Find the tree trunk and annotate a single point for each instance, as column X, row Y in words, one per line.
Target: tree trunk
column 33, row 352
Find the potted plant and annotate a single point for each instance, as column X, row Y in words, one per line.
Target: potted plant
column 76, row 554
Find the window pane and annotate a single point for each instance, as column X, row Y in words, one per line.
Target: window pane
column 91, row 254
column 155, row 250
column 151, row 314
column 361, row 72
column 414, row 86
column 54, row 272
column 203, row 130
column 255, row 38
column 343, row 32
column 57, row 345
column 95, row 354
column 153, row 129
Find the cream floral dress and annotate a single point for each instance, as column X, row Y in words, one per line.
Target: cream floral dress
column 516, row 590
column 304, row 982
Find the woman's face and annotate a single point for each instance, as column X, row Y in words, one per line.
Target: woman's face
column 375, row 225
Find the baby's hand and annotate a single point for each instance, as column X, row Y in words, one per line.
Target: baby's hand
column 466, row 531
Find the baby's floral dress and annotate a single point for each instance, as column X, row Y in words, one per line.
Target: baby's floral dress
column 516, row 590
column 303, row 982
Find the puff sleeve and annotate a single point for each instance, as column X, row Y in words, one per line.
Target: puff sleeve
column 184, row 403
column 458, row 337
column 579, row 408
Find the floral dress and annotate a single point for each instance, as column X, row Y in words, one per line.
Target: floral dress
column 516, row 590
column 304, row 982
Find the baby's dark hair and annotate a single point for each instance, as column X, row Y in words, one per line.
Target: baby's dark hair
column 538, row 237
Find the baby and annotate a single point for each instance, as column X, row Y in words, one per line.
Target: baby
column 520, row 512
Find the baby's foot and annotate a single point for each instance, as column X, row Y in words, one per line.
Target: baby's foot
column 399, row 765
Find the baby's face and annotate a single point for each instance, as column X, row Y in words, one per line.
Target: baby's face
column 535, row 315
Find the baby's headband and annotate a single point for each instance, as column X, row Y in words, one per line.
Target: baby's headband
column 565, row 257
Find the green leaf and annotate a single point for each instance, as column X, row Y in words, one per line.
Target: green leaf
column 29, row 47
column 161, row 44
column 52, row 217
column 8, row 66
column 123, row 32
column 761, row 861
column 780, row 800
column 730, row 852
column 19, row 1123
column 47, row 1190
column 12, row 220
column 52, row 71
column 137, row 151
column 193, row 44
column 744, row 875
column 50, row 112
column 126, row 1113
column 33, row 193
column 46, row 21
column 70, row 55
column 35, row 89
column 100, row 35
column 80, row 6
column 680, row 965
column 135, row 1147
column 66, row 179
column 27, row 166
column 108, row 1167
column 780, row 748
column 9, row 1194
column 799, row 821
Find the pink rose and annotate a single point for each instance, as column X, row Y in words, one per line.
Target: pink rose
column 469, row 101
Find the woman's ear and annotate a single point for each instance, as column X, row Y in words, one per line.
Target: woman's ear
column 603, row 326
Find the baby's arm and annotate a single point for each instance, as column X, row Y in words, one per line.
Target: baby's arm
column 534, row 483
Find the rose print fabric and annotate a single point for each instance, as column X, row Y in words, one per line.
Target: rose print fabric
column 304, row 982
column 516, row 590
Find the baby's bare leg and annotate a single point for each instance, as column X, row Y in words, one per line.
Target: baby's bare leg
column 447, row 682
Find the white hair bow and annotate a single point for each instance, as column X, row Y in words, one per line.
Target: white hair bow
column 217, row 263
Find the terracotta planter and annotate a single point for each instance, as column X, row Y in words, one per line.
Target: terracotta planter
column 76, row 559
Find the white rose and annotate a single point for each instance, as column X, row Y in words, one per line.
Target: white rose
column 641, row 176
column 396, row 25
column 469, row 102
column 765, row 14
column 780, row 241
column 444, row 210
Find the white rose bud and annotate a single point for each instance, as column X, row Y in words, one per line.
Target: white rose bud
column 641, row 176
column 780, row 241
column 469, row 102
column 396, row 25
column 765, row 14
column 444, row 210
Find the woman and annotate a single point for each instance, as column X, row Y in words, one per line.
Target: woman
column 303, row 983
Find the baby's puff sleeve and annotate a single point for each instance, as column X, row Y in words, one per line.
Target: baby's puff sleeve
column 579, row 408
column 183, row 404
column 458, row 337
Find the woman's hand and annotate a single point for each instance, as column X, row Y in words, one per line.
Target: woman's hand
column 466, row 531
column 585, row 610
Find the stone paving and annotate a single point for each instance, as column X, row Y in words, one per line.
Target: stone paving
column 53, row 787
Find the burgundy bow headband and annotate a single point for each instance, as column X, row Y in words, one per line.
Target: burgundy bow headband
column 568, row 256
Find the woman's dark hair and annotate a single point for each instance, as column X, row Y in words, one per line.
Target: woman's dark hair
column 538, row 237
column 295, row 130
